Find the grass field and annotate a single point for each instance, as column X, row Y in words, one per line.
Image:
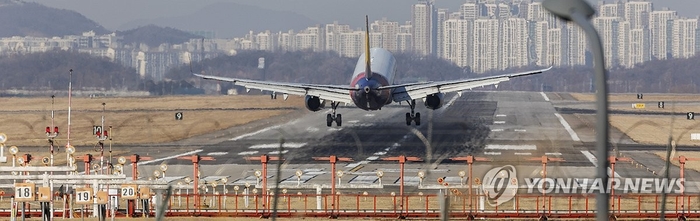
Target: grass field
column 650, row 101
column 135, row 119
column 633, row 97
column 653, row 129
column 690, row 164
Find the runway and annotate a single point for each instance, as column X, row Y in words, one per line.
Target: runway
column 498, row 128
column 505, row 126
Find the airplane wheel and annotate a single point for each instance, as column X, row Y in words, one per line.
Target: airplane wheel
column 408, row 119
column 417, row 119
column 329, row 120
column 338, row 119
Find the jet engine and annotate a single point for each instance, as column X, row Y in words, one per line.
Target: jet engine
column 434, row 101
column 314, row 103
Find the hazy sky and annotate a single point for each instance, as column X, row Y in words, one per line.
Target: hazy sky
column 114, row 13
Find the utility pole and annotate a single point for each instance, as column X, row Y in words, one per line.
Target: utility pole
column 101, row 137
column 51, row 135
column 70, row 92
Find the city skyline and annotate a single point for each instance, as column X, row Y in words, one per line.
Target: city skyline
column 488, row 35
column 484, row 36
column 116, row 15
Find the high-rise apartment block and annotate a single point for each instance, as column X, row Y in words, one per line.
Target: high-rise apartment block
column 485, row 45
column 684, row 44
column 661, row 29
column 608, row 30
column 423, row 17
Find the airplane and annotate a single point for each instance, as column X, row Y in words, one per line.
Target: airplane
column 370, row 88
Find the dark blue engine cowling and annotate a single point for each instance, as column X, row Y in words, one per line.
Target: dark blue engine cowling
column 434, row 101
column 314, row 103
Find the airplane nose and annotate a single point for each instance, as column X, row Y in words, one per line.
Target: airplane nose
column 367, row 89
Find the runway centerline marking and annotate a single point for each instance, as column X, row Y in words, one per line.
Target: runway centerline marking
column 169, row 157
column 454, row 98
column 248, row 152
column 594, row 161
column 217, row 153
column 566, row 125
column 496, row 130
column 492, row 153
column 510, row 147
column 499, row 122
column 255, row 133
column 277, row 145
column 501, row 115
column 544, row 96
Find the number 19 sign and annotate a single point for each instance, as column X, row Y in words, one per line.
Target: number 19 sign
column 24, row 192
column 83, row 196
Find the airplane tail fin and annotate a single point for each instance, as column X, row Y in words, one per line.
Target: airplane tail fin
column 368, row 69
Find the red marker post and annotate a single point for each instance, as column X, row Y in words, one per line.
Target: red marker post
column 264, row 159
column 402, row 160
column 131, row 204
column 333, row 159
column 682, row 160
column 544, row 159
column 470, row 160
column 195, row 163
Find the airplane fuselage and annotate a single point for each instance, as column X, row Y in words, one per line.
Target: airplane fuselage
column 383, row 66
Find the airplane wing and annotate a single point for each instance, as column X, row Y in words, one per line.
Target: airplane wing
column 413, row 91
column 326, row 92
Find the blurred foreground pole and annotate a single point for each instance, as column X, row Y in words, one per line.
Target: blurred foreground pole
column 579, row 11
column 444, row 205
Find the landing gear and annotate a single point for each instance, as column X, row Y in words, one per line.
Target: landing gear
column 337, row 118
column 412, row 116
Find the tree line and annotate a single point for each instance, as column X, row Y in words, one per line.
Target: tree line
column 49, row 70
column 657, row 76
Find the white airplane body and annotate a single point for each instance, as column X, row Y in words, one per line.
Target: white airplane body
column 374, row 90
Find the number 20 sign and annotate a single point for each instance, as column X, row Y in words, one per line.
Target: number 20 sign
column 128, row 191
column 24, row 192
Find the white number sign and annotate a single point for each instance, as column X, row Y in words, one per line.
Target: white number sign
column 83, row 196
column 128, row 192
column 24, row 192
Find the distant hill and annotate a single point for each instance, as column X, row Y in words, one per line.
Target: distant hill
column 154, row 36
column 231, row 20
column 33, row 19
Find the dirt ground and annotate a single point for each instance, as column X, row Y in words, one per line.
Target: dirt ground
column 656, row 129
column 690, row 164
column 633, row 97
column 134, row 119
column 648, row 129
